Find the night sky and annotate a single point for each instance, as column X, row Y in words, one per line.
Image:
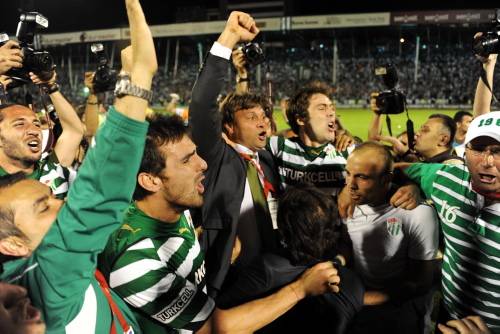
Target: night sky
column 74, row 15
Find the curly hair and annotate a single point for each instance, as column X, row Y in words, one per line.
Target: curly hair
column 239, row 101
column 307, row 220
column 299, row 103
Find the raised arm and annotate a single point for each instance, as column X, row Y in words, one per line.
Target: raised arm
column 482, row 97
column 239, row 64
column 143, row 64
column 106, row 181
column 72, row 128
column 204, row 115
column 91, row 107
column 375, row 129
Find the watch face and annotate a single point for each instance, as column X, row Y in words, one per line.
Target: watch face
column 121, row 87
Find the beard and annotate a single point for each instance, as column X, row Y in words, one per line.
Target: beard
column 14, row 151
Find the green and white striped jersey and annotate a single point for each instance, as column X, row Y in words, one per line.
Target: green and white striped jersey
column 158, row 268
column 50, row 172
column 471, row 264
column 323, row 166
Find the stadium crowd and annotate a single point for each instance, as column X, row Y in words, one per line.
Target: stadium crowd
column 444, row 78
column 116, row 219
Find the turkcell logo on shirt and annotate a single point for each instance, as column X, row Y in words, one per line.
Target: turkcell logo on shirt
column 393, row 226
column 313, row 177
column 199, row 275
column 448, row 212
column 170, row 312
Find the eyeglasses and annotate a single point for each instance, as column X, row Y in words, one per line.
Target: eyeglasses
column 482, row 150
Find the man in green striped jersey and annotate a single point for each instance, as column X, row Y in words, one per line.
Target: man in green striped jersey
column 21, row 140
column 467, row 199
column 312, row 156
column 154, row 261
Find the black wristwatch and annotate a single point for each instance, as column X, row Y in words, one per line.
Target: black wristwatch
column 125, row 87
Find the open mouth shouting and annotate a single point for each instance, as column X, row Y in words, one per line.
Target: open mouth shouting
column 487, row 178
column 34, row 144
column 262, row 136
column 331, row 126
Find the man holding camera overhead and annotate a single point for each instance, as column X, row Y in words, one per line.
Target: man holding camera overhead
column 20, row 128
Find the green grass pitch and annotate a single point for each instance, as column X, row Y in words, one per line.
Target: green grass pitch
column 357, row 121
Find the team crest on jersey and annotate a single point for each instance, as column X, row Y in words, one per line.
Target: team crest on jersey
column 393, row 225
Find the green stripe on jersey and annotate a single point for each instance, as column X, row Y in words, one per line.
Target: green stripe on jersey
column 299, row 164
column 158, row 268
column 471, row 266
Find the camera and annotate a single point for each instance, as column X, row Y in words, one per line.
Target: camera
column 489, row 42
column 391, row 100
column 39, row 62
column 105, row 77
column 254, row 55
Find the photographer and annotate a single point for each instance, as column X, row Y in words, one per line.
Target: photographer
column 72, row 128
column 240, row 65
column 483, row 95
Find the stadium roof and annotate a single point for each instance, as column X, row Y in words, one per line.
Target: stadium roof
column 74, row 15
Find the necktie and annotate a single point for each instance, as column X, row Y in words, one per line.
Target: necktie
column 261, row 209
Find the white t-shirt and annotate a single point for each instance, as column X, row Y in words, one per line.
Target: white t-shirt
column 384, row 238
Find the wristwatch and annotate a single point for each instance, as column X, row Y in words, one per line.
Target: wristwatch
column 125, row 87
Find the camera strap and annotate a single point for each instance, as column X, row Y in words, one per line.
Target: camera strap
column 484, row 78
column 388, row 122
column 410, row 132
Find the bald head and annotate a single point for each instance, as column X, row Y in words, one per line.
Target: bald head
column 376, row 154
column 369, row 173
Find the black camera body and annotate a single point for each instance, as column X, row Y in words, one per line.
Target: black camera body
column 254, row 55
column 489, row 42
column 105, row 77
column 391, row 100
column 39, row 62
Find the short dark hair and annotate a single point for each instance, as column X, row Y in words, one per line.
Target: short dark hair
column 449, row 124
column 299, row 103
column 459, row 115
column 162, row 130
column 234, row 102
column 8, row 227
column 307, row 220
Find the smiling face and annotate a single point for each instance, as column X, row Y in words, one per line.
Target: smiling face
column 319, row 127
column 249, row 128
column 20, row 136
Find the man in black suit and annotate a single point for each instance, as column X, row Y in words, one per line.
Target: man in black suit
column 241, row 181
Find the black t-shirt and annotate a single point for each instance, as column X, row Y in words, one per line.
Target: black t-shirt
column 332, row 311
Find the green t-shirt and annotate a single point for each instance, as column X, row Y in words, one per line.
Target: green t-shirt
column 471, row 263
column 158, row 268
column 59, row 275
column 50, row 172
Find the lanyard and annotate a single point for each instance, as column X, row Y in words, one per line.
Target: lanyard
column 127, row 329
column 268, row 187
